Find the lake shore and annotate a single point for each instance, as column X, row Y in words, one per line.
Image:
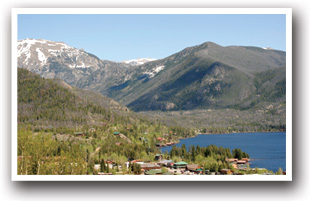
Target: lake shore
column 271, row 155
column 241, row 132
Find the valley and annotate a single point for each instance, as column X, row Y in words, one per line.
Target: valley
column 78, row 114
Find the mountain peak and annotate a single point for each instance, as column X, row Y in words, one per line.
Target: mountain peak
column 139, row 61
column 38, row 53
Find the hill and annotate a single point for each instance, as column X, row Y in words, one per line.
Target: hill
column 60, row 125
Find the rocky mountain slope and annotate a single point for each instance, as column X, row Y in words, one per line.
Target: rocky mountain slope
column 206, row 76
column 75, row 66
column 198, row 77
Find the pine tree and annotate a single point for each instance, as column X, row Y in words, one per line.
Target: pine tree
column 102, row 166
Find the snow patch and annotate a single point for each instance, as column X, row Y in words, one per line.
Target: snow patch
column 154, row 71
column 159, row 68
column 267, row 48
column 41, row 56
column 140, row 61
column 79, row 65
column 30, row 41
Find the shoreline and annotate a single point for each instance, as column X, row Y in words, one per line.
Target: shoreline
column 239, row 132
column 227, row 134
column 252, row 160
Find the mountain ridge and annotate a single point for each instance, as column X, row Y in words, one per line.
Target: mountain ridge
column 202, row 76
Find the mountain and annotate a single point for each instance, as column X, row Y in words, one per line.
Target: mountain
column 75, row 66
column 199, row 77
column 206, row 76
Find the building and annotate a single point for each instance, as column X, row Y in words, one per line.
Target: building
column 165, row 162
column 180, row 164
column 150, row 166
column 194, row 168
column 242, row 164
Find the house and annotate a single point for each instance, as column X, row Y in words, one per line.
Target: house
column 180, row 164
column 242, row 165
column 140, row 163
column 226, row 171
column 165, row 162
column 150, row 166
column 170, row 165
column 135, row 161
column 239, row 164
column 245, row 159
column 192, row 167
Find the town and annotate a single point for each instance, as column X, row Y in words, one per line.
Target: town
column 169, row 167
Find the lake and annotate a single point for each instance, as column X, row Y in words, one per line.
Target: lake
column 266, row 150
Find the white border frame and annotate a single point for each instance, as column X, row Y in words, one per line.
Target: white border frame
column 286, row 11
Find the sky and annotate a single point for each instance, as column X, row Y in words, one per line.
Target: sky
column 119, row 37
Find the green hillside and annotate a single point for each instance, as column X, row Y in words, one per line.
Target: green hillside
column 60, row 124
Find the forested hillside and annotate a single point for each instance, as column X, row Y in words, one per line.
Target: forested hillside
column 59, row 125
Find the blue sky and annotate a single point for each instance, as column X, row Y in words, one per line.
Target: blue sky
column 123, row 37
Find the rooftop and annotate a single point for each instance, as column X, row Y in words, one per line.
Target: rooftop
column 181, row 163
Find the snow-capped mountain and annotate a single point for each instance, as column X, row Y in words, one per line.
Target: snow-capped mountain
column 75, row 66
column 38, row 54
column 203, row 76
column 140, row 61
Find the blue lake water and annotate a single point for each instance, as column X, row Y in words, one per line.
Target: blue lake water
column 266, row 150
